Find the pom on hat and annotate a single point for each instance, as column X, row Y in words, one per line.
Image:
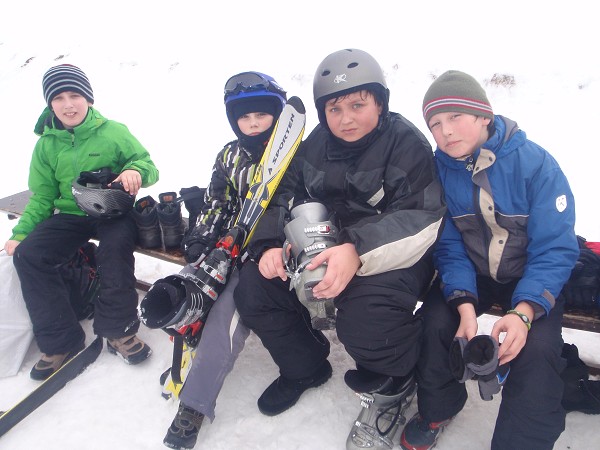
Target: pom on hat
column 250, row 105
column 66, row 77
column 456, row 91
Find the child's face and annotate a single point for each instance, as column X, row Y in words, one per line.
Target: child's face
column 459, row 134
column 353, row 116
column 70, row 108
column 254, row 123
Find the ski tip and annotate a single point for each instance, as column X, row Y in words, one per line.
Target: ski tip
column 297, row 104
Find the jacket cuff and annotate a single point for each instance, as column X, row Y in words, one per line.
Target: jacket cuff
column 459, row 297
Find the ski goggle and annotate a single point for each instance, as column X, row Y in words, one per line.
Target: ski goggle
column 251, row 81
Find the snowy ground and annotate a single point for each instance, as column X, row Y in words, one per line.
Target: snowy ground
column 115, row 406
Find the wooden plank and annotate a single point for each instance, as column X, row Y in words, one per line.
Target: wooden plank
column 13, row 205
column 173, row 256
column 586, row 320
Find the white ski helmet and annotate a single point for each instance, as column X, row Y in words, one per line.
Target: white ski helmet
column 347, row 71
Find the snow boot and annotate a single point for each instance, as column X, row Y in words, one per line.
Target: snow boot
column 146, row 218
column 129, row 348
column 418, row 434
column 48, row 364
column 171, row 221
column 283, row 393
column 183, row 432
column 384, row 400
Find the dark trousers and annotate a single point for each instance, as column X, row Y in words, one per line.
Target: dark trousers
column 530, row 415
column 375, row 321
column 54, row 242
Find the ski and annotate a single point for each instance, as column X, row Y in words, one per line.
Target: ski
column 69, row 371
column 281, row 148
column 278, row 154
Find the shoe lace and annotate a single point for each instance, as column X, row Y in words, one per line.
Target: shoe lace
column 392, row 422
column 367, row 401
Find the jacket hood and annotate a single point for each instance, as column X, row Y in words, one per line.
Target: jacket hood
column 46, row 125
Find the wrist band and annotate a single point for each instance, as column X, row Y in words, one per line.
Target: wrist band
column 523, row 317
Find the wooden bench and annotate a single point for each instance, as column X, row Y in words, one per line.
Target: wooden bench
column 14, row 205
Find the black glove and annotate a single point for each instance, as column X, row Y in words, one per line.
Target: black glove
column 193, row 199
column 477, row 359
column 196, row 247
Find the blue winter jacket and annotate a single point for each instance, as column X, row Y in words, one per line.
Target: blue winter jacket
column 511, row 215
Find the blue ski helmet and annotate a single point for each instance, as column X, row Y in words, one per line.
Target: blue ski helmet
column 247, row 91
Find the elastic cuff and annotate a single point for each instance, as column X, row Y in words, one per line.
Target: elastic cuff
column 456, row 302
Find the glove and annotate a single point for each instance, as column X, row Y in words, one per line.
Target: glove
column 477, row 359
column 196, row 247
column 193, row 199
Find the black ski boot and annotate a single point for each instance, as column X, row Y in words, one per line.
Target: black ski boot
column 183, row 432
column 146, row 218
column 283, row 393
column 384, row 400
column 170, row 219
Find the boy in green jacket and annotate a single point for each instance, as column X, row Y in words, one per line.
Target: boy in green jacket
column 75, row 138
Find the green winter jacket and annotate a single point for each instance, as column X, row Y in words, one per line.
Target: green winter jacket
column 60, row 155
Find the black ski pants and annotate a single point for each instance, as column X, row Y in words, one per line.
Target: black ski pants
column 52, row 243
column 375, row 321
column 530, row 414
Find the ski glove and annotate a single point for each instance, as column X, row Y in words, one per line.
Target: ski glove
column 193, row 199
column 477, row 359
column 196, row 248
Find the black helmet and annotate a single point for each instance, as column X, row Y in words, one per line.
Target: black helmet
column 247, row 91
column 174, row 302
column 93, row 195
column 347, row 71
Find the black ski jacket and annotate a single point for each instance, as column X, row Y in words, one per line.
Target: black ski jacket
column 384, row 191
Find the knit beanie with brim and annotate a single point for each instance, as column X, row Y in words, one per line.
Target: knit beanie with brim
column 63, row 78
column 456, row 91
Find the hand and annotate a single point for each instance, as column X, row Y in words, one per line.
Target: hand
column 468, row 321
column 131, row 181
column 10, row 246
column 271, row 264
column 516, row 333
column 342, row 264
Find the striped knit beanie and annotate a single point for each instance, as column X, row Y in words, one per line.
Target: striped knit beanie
column 455, row 91
column 66, row 77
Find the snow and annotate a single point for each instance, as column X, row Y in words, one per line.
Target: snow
column 160, row 67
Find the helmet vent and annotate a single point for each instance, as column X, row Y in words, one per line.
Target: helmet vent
column 325, row 73
column 352, row 65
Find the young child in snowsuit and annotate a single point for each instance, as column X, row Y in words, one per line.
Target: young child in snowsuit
column 375, row 171
column 509, row 240
column 74, row 138
column 253, row 102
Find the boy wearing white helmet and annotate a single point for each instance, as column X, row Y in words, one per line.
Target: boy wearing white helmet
column 374, row 171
